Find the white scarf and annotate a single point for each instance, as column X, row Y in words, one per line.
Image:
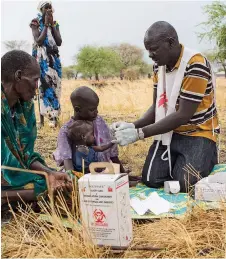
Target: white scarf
column 42, row 4
column 169, row 85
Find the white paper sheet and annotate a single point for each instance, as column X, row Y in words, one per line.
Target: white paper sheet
column 154, row 203
column 138, row 205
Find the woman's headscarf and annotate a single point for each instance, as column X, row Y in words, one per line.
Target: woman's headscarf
column 42, row 4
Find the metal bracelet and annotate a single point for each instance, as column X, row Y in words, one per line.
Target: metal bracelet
column 140, row 134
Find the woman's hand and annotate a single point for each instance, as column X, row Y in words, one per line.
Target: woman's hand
column 60, row 181
column 57, row 180
column 49, row 17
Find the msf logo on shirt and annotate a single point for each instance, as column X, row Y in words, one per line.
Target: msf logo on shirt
column 163, row 100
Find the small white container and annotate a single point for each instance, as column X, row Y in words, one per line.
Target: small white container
column 171, row 187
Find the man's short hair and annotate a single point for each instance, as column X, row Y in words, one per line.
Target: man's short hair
column 162, row 30
column 15, row 60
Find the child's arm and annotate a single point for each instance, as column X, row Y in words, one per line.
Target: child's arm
column 102, row 148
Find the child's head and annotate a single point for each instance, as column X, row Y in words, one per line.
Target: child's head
column 85, row 102
column 81, row 133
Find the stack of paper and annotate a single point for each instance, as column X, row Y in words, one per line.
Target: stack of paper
column 154, row 203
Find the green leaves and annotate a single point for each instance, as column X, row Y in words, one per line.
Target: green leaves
column 215, row 27
column 111, row 61
column 98, row 60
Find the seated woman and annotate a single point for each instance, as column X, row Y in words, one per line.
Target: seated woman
column 83, row 144
column 20, row 74
column 85, row 103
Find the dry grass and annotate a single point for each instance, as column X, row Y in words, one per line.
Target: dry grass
column 200, row 234
column 29, row 237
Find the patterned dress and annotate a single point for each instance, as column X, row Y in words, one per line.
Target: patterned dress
column 18, row 135
column 47, row 56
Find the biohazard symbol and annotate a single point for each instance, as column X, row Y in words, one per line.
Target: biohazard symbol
column 99, row 216
column 163, row 100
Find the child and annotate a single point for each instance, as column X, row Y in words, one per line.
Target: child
column 84, row 145
column 85, row 104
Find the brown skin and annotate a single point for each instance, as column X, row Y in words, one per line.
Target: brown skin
column 83, row 135
column 85, row 104
column 103, row 148
column 87, row 112
column 22, row 87
column 157, row 47
column 164, row 52
column 48, row 21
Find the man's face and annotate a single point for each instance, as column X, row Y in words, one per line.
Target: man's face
column 159, row 50
column 27, row 82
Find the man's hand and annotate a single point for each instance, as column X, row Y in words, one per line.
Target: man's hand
column 126, row 136
column 121, row 125
column 59, row 181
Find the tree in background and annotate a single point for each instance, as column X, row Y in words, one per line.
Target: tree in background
column 215, row 57
column 145, row 68
column 131, row 57
column 122, row 60
column 98, row 61
column 16, row 44
column 216, row 24
column 131, row 73
column 69, row 72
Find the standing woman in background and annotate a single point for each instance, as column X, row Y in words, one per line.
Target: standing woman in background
column 47, row 38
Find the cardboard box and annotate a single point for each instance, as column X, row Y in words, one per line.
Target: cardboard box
column 105, row 206
column 209, row 191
